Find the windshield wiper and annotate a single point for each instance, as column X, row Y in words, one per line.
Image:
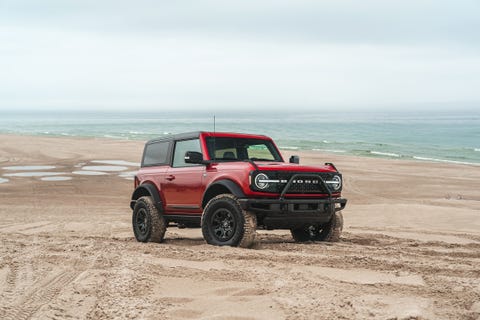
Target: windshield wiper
column 261, row 159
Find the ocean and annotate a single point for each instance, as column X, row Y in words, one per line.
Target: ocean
column 438, row 137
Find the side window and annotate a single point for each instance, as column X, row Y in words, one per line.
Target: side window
column 180, row 148
column 155, row 154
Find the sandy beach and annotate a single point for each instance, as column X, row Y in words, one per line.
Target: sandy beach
column 410, row 247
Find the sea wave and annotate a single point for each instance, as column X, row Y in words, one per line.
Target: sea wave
column 329, row 150
column 111, row 136
column 388, row 154
column 445, row 161
column 452, row 138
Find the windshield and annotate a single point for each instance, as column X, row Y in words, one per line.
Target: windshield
column 240, row 149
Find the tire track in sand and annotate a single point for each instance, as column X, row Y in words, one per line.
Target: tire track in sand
column 34, row 300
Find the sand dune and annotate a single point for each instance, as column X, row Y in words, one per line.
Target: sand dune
column 410, row 247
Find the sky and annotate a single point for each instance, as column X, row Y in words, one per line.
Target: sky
column 240, row 55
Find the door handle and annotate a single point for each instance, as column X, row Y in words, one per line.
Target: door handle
column 170, row 177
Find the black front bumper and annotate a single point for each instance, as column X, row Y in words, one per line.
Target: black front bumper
column 293, row 206
column 285, row 213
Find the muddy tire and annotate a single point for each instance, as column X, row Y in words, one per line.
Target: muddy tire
column 329, row 232
column 225, row 223
column 148, row 222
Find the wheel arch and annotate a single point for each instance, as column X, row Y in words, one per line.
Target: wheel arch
column 147, row 189
column 220, row 187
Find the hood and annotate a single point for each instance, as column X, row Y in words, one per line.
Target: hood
column 281, row 166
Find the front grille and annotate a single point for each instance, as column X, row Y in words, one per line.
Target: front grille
column 304, row 183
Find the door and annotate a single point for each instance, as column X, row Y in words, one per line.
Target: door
column 183, row 188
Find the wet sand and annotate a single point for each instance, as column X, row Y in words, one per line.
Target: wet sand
column 410, row 247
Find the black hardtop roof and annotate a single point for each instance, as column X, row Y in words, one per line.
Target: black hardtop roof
column 196, row 134
column 178, row 136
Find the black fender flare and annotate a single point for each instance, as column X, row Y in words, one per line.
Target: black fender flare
column 147, row 189
column 231, row 186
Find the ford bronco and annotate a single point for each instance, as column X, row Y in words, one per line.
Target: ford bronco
column 230, row 184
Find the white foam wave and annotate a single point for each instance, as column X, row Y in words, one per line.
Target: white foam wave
column 110, row 136
column 388, row 154
column 329, row 150
column 476, row 149
column 2, row 180
column 446, row 161
column 290, row 148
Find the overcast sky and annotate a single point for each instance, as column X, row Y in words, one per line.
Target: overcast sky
column 299, row 54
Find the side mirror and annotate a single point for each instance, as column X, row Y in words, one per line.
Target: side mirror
column 295, row 159
column 193, row 157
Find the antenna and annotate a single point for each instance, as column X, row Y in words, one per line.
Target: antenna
column 214, row 146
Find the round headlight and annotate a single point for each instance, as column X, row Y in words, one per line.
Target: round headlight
column 261, row 181
column 336, row 183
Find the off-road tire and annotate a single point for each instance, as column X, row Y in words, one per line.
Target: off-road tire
column 147, row 221
column 225, row 223
column 329, row 231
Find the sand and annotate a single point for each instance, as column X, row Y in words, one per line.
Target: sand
column 410, row 247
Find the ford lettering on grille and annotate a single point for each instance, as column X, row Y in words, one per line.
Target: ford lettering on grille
column 306, row 185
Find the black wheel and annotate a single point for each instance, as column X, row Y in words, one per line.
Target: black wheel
column 148, row 223
column 225, row 223
column 327, row 232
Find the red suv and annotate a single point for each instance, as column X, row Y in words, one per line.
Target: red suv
column 230, row 184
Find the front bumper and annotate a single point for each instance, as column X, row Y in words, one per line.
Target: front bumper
column 292, row 213
column 293, row 206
